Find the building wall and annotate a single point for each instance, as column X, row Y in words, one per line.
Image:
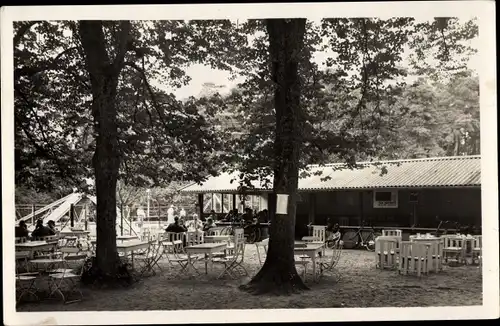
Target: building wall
column 463, row 205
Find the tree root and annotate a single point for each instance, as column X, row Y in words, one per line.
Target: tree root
column 275, row 281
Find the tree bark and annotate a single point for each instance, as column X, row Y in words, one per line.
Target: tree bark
column 104, row 75
column 278, row 274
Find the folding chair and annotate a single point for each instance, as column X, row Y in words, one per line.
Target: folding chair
column 150, row 259
column 25, row 285
column 233, row 263
column 66, row 280
column 264, row 243
column 327, row 263
column 176, row 256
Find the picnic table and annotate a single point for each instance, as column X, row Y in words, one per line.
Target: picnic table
column 33, row 246
column 216, row 238
column 127, row 237
column 208, row 249
column 131, row 246
column 311, row 250
column 74, row 233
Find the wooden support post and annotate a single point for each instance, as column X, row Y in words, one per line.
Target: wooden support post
column 33, row 214
column 222, row 203
column 200, row 206
column 85, row 210
column 312, row 208
column 361, row 206
column 234, row 201
column 72, row 215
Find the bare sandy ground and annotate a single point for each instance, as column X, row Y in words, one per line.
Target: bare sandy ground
column 361, row 285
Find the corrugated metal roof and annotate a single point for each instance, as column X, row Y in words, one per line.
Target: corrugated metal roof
column 456, row 171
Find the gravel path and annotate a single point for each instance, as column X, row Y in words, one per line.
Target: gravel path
column 361, row 285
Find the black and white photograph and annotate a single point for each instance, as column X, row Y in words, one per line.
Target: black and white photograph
column 203, row 163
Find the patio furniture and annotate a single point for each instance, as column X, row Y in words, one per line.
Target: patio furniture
column 233, row 263
column 194, row 237
column 127, row 237
column 434, row 247
column 261, row 244
column 149, row 260
column 65, row 281
column 453, row 247
column 34, row 246
column 21, row 239
column 394, row 233
column 318, row 234
column 131, row 247
column 386, row 249
column 216, row 238
column 413, row 258
column 311, row 250
column 175, row 253
column 206, row 249
column 170, row 240
column 25, row 285
column 477, row 250
column 327, row 263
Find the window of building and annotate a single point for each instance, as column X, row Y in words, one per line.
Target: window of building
column 385, row 199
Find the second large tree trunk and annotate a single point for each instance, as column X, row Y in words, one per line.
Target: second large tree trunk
column 104, row 82
column 278, row 274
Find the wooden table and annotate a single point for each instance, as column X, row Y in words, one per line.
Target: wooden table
column 311, row 250
column 205, row 248
column 127, row 237
column 432, row 244
column 74, row 233
column 216, row 238
column 131, row 246
column 33, row 246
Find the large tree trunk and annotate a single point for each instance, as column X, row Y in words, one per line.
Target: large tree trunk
column 278, row 274
column 104, row 80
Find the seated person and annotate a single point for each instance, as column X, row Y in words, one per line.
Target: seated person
column 176, row 227
column 332, row 231
column 210, row 224
column 21, row 231
column 263, row 216
column 213, row 215
column 41, row 230
column 248, row 216
column 52, row 225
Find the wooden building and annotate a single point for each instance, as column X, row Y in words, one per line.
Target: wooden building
column 402, row 193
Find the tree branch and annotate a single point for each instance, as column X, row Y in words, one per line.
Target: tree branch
column 22, row 30
column 123, row 43
column 43, row 66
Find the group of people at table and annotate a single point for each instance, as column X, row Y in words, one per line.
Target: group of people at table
column 21, row 231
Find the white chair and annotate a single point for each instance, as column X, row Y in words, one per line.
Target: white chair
column 25, row 284
column 386, row 253
column 413, row 258
column 453, row 247
column 261, row 244
column 393, row 233
column 233, row 262
column 327, row 263
column 149, row 260
column 477, row 249
column 66, row 281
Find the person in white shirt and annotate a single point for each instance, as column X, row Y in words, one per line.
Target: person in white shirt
column 182, row 213
column 170, row 214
